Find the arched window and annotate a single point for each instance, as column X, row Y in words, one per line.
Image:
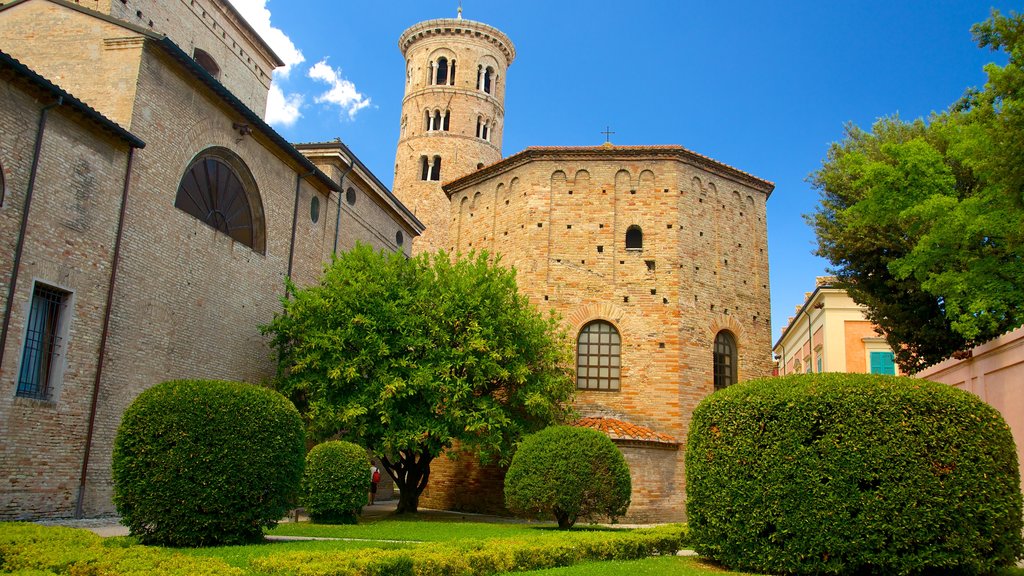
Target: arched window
column 479, row 125
column 725, row 360
column 441, row 75
column 451, row 74
column 203, row 58
column 435, row 169
column 488, row 79
column 446, row 122
column 429, row 121
column 424, row 168
column 486, row 134
column 314, row 209
column 598, row 351
column 634, row 238
column 219, row 190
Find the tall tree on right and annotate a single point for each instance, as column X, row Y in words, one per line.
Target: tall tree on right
column 923, row 222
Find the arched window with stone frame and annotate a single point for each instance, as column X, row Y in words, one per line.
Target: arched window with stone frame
column 726, row 360
column 219, row 190
column 598, row 357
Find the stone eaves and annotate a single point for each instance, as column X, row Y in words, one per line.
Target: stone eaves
column 578, row 153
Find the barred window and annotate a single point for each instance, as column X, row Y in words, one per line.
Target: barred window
column 43, row 353
column 725, row 360
column 598, row 351
column 218, row 189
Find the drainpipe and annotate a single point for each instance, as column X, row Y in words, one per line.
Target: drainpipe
column 295, row 218
column 24, row 224
column 79, row 503
column 337, row 220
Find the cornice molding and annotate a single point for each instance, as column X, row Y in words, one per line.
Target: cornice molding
column 585, row 153
column 458, row 27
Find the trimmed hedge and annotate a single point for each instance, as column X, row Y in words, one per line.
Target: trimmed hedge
column 202, row 463
column 570, row 472
column 33, row 549
column 852, row 474
column 336, row 484
column 480, row 557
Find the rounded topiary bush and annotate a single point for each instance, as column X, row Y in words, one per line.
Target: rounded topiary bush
column 201, row 463
column 852, row 474
column 336, row 482
column 570, row 472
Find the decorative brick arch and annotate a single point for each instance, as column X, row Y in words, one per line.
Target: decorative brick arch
column 726, row 322
column 632, row 330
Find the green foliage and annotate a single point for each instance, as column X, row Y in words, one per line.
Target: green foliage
column 924, row 222
column 32, row 549
column 570, row 472
column 201, row 463
column 481, row 557
column 408, row 355
column 852, row 474
column 336, row 482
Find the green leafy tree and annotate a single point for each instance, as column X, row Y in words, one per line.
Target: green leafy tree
column 407, row 356
column 923, row 222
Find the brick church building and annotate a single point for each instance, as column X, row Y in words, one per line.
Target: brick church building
column 654, row 256
column 148, row 219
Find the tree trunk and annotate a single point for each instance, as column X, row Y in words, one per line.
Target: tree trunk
column 565, row 520
column 410, row 473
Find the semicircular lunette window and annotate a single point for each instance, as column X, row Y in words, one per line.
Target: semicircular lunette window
column 218, row 190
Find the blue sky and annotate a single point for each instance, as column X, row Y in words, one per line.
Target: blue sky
column 762, row 86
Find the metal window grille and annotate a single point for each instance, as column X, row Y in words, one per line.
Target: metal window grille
column 725, row 360
column 42, row 349
column 598, row 357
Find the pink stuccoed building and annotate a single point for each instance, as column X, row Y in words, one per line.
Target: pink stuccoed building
column 994, row 372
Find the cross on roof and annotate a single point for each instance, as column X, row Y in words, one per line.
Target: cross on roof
column 607, row 134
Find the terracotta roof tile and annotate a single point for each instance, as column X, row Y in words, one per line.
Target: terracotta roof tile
column 621, row 430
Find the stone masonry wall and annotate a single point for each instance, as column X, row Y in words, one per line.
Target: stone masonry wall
column 69, row 246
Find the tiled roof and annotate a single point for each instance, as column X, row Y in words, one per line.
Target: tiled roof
column 625, row 431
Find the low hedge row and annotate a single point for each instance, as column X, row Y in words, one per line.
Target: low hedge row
column 481, row 557
column 33, row 549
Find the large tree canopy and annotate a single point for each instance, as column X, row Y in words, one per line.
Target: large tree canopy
column 923, row 222
column 407, row 356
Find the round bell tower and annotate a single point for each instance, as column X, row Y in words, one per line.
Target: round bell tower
column 453, row 115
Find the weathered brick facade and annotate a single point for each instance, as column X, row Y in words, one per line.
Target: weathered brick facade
column 188, row 299
column 560, row 216
column 471, row 103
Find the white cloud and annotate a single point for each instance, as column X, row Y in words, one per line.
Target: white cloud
column 257, row 15
column 342, row 93
column 282, row 110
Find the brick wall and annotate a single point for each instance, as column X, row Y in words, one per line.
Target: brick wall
column 69, row 243
column 561, row 221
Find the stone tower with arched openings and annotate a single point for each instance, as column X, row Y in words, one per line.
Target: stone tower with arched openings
column 453, row 114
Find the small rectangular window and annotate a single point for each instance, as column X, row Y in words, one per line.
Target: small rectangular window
column 43, row 352
column 882, row 363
